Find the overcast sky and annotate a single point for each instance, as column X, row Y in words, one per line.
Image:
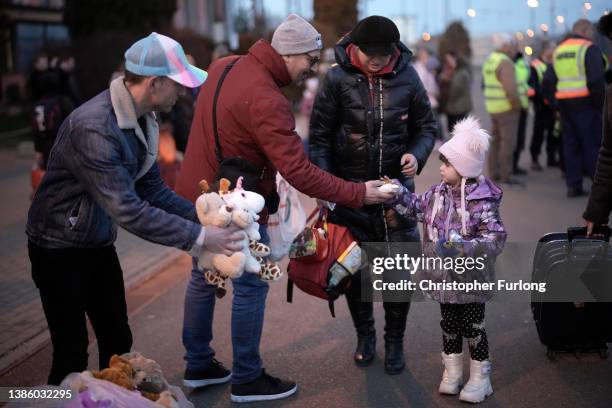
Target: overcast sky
column 491, row 15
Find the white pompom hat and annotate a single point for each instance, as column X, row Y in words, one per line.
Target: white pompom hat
column 467, row 147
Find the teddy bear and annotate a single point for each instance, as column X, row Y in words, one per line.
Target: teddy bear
column 244, row 205
column 134, row 372
column 148, row 375
column 119, row 372
column 212, row 210
column 241, row 207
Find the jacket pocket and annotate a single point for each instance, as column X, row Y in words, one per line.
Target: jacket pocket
column 78, row 214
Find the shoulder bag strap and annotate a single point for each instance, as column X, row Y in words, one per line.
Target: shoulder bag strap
column 227, row 69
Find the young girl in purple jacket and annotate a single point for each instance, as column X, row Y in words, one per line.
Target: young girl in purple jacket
column 460, row 216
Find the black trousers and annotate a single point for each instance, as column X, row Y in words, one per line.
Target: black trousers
column 75, row 283
column 464, row 320
column 520, row 139
column 543, row 129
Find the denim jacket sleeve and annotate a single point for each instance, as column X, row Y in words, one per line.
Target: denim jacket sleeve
column 152, row 189
column 95, row 160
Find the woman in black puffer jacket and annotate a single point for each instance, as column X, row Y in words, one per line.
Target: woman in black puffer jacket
column 372, row 98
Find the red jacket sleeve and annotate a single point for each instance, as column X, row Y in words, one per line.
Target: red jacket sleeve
column 274, row 129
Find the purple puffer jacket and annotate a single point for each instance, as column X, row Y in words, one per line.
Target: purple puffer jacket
column 439, row 209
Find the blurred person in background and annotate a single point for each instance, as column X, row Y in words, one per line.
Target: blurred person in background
column 425, row 66
column 39, row 67
column 576, row 83
column 503, row 104
column 48, row 113
column 522, row 71
column 455, row 88
column 544, row 120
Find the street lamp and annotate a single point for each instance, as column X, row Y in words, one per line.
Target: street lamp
column 426, row 36
column 520, row 36
column 560, row 19
column 533, row 3
column 530, row 33
column 543, row 27
column 587, row 5
column 528, row 50
column 471, row 13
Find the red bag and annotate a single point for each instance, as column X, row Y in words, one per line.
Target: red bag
column 312, row 276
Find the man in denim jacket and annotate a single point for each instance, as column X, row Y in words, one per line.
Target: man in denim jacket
column 102, row 172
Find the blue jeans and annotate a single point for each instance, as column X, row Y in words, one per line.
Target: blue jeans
column 248, row 307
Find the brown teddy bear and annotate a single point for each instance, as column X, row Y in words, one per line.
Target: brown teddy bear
column 119, row 372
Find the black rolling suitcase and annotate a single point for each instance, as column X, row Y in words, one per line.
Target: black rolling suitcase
column 562, row 260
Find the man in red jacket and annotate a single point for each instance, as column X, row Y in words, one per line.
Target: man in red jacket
column 256, row 123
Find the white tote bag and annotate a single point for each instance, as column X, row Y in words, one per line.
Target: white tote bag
column 287, row 222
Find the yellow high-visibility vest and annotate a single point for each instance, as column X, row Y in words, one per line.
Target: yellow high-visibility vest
column 540, row 67
column 496, row 100
column 521, row 70
column 570, row 67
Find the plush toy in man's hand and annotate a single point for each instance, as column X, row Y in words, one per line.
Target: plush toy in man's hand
column 212, row 210
column 388, row 185
column 240, row 207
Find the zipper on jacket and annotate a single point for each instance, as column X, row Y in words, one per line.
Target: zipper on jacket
column 380, row 153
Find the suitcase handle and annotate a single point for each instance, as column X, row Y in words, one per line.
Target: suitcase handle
column 581, row 232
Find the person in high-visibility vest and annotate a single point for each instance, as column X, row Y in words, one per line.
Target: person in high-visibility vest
column 521, row 69
column 577, row 82
column 503, row 104
column 544, row 120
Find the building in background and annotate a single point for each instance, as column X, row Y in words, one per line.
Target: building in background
column 214, row 19
column 26, row 28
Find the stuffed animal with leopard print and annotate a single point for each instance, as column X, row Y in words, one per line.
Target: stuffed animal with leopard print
column 270, row 271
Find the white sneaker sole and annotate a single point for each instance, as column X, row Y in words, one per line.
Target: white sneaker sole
column 204, row 383
column 473, row 399
column 254, row 398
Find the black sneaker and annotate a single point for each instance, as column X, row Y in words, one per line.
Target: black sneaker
column 263, row 388
column 214, row 374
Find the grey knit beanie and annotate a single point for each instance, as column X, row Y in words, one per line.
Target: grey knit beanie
column 296, row 36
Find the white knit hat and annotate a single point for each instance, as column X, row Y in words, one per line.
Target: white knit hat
column 296, row 36
column 467, row 147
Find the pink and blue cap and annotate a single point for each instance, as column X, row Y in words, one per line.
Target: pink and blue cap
column 159, row 55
